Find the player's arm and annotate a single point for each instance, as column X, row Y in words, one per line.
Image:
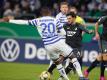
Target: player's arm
column 6, row 19
column 96, row 31
column 100, row 21
column 60, row 29
column 62, row 32
column 22, row 22
column 85, row 30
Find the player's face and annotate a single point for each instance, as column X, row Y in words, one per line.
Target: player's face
column 64, row 9
column 70, row 19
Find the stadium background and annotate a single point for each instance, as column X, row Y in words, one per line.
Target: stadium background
column 26, row 38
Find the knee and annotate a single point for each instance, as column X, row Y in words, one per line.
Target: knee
column 74, row 54
column 99, row 57
column 59, row 60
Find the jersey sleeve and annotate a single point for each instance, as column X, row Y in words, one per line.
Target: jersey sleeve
column 102, row 19
column 80, row 20
column 58, row 24
column 33, row 22
column 60, row 28
column 83, row 28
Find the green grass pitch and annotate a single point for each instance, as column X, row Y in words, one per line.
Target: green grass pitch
column 21, row 71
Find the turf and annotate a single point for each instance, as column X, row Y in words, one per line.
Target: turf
column 21, row 71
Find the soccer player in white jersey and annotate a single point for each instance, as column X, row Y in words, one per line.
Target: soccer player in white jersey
column 61, row 16
column 56, row 47
column 64, row 8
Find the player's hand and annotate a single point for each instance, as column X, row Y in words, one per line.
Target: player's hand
column 5, row 19
column 91, row 31
column 97, row 36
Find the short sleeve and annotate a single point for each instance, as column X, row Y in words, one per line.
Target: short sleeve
column 102, row 19
column 58, row 24
column 33, row 22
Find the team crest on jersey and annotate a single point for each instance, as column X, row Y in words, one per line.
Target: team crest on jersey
column 70, row 33
column 68, row 28
column 75, row 28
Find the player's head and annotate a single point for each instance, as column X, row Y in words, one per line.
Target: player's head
column 64, row 7
column 71, row 16
column 45, row 11
column 73, row 9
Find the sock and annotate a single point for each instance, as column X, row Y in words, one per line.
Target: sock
column 69, row 68
column 93, row 65
column 77, row 67
column 51, row 67
column 67, row 62
column 51, row 62
column 62, row 71
column 102, row 69
column 80, row 61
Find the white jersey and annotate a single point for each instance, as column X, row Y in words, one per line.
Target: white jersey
column 47, row 27
column 62, row 18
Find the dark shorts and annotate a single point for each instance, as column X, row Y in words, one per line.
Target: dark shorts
column 104, row 46
column 80, row 52
column 104, row 50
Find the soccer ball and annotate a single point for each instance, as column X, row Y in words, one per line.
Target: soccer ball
column 45, row 75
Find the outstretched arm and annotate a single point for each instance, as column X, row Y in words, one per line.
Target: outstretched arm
column 85, row 30
column 19, row 22
column 6, row 19
column 100, row 21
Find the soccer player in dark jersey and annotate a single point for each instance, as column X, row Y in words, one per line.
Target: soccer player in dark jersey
column 103, row 46
column 78, row 20
column 74, row 36
column 82, row 22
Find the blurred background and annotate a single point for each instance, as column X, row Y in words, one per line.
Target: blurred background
column 31, row 8
column 22, row 44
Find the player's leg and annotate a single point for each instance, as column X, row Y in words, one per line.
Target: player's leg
column 67, row 62
column 76, row 64
column 102, row 68
column 97, row 61
column 55, row 56
column 51, row 67
column 67, row 69
column 71, row 67
column 104, row 59
column 68, row 51
column 81, row 57
column 92, row 66
column 60, row 68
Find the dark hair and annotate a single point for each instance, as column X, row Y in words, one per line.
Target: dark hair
column 64, row 3
column 45, row 11
column 71, row 14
